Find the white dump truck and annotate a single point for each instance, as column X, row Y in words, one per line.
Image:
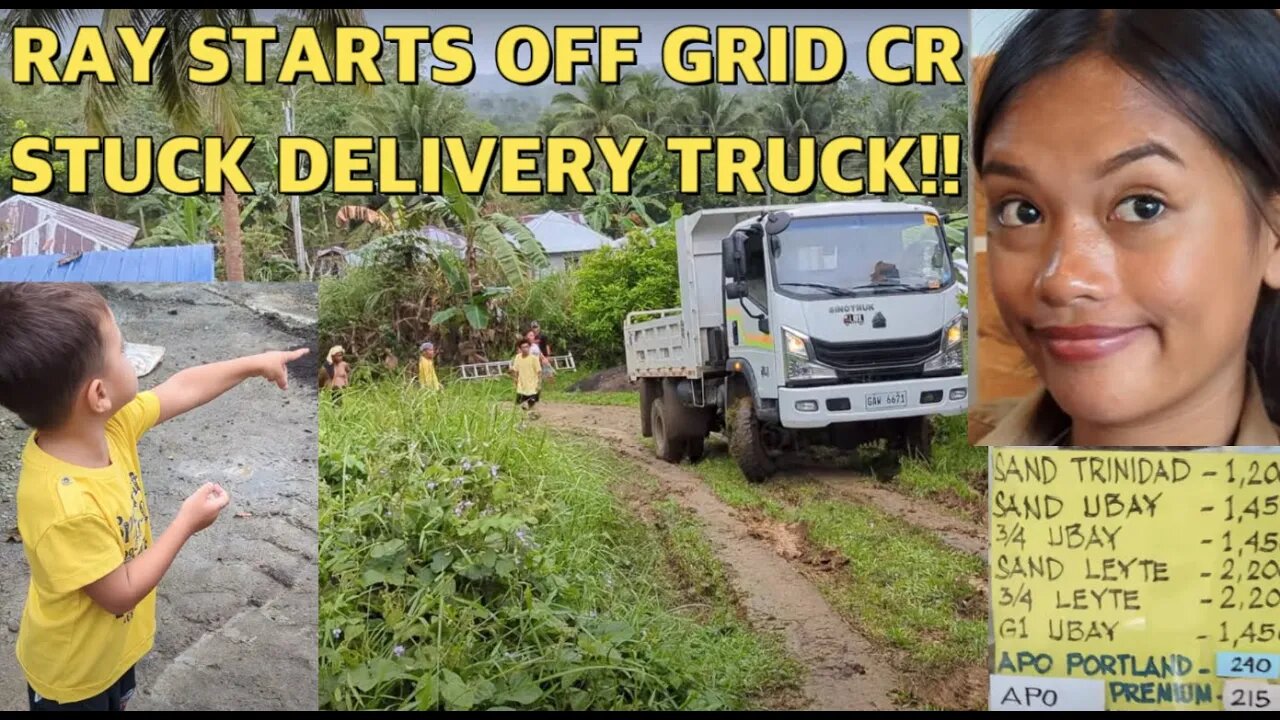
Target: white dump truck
column 824, row 324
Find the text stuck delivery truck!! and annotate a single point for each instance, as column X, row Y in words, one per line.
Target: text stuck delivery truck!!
column 824, row 324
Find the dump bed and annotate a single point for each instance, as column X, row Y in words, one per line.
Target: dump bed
column 672, row 343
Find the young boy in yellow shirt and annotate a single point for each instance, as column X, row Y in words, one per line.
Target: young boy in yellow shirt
column 90, row 613
column 526, row 368
column 427, row 367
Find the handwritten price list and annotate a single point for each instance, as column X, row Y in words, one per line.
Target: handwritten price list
column 1125, row 580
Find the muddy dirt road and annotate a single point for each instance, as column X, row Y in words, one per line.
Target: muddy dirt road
column 237, row 611
column 844, row 671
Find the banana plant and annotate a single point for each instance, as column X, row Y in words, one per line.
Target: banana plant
column 469, row 304
column 487, row 232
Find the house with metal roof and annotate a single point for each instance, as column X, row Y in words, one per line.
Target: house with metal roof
column 564, row 238
column 182, row 263
column 31, row 225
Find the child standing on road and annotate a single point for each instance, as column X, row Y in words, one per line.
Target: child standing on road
column 90, row 613
column 427, row 367
column 527, row 372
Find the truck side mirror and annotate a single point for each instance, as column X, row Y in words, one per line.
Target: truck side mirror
column 764, row 325
column 733, row 255
column 777, row 222
column 735, row 290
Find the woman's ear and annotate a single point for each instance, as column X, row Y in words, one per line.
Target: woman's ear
column 1271, row 245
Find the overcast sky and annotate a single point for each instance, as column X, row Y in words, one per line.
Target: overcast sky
column 855, row 26
column 989, row 27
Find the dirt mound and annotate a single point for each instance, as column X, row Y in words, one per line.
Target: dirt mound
column 611, row 380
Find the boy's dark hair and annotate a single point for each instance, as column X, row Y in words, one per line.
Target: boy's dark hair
column 522, row 343
column 1215, row 67
column 50, row 343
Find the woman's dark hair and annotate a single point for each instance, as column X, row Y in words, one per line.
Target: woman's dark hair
column 1220, row 69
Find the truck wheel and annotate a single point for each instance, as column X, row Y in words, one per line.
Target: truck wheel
column 746, row 442
column 670, row 447
column 695, row 448
column 916, row 438
column 650, row 390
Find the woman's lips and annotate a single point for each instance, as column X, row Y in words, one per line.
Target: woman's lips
column 1084, row 343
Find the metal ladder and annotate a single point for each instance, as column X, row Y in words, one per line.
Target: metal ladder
column 492, row 370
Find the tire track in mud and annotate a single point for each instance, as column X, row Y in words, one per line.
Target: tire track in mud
column 955, row 532
column 844, row 671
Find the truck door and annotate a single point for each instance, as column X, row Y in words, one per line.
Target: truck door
column 749, row 328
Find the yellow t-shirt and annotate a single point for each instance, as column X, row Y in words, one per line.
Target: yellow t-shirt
column 77, row 525
column 528, row 374
column 427, row 373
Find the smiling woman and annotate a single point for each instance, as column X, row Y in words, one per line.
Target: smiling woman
column 1133, row 247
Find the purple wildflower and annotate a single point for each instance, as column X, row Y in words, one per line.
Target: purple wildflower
column 398, row 651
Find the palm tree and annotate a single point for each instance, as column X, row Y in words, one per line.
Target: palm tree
column 412, row 112
column 709, row 110
column 796, row 111
column 189, row 107
column 651, row 100
column 896, row 112
column 595, row 109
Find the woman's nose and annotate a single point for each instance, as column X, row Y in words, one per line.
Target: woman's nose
column 1079, row 265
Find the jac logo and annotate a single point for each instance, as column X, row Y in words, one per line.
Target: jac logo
column 854, row 319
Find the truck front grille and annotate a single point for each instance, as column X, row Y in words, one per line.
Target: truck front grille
column 880, row 355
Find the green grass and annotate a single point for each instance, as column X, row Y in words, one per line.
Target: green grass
column 954, row 468
column 470, row 562
column 902, row 587
column 556, row 391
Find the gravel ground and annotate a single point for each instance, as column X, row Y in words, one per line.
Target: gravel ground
column 237, row 610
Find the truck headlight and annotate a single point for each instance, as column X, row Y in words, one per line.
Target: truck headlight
column 798, row 359
column 954, row 334
column 952, row 355
column 950, row 359
column 797, row 343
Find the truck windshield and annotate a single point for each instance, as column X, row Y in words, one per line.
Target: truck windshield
column 865, row 254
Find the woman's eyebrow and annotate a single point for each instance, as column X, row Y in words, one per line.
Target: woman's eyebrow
column 1134, row 154
column 996, row 167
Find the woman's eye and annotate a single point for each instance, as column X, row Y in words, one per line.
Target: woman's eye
column 1016, row 213
column 1139, row 208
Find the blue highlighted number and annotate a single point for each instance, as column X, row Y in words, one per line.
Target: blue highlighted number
column 1248, row 665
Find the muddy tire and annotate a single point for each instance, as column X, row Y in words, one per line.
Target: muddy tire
column 669, row 446
column 650, row 391
column 746, row 442
column 695, row 449
column 916, row 438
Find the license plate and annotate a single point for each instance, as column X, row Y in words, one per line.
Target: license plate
column 898, row 398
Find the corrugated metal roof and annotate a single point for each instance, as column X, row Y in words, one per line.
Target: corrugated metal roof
column 31, row 225
column 185, row 263
column 559, row 234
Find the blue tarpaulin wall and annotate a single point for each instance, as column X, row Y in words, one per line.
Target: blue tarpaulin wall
column 186, row 263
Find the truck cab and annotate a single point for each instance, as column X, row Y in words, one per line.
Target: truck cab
column 845, row 312
column 828, row 323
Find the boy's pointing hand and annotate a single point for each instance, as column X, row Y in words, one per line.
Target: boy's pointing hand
column 273, row 365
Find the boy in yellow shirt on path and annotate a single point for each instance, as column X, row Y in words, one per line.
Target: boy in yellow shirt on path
column 526, row 368
column 427, row 367
column 90, row 613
